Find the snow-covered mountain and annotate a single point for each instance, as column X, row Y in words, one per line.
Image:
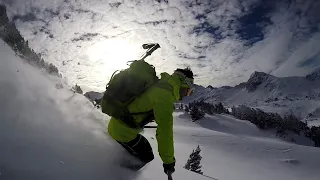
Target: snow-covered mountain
column 52, row 133
column 315, row 75
column 92, row 95
column 286, row 95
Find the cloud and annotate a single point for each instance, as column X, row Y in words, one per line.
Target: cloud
column 85, row 37
column 313, row 61
column 223, row 41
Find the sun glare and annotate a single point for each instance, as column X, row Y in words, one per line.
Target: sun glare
column 112, row 55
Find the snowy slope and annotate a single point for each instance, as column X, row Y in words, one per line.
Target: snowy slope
column 288, row 95
column 235, row 149
column 52, row 133
column 49, row 133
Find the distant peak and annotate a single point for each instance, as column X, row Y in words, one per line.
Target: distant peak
column 259, row 74
column 315, row 75
column 211, row 87
column 256, row 79
column 259, row 77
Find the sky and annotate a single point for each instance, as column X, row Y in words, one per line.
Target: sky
column 223, row 42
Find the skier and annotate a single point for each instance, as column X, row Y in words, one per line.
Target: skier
column 157, row 103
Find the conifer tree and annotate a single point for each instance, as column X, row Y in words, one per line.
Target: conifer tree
column 193, row 163
column 196, row 113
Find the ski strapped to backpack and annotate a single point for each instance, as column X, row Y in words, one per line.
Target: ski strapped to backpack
column 128, row 84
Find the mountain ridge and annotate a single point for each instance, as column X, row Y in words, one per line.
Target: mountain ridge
column 314, row 75
column 284, row 95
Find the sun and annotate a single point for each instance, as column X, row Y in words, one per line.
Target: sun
column 112, row 54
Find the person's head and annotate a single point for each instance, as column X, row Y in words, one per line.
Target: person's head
column 186, row 77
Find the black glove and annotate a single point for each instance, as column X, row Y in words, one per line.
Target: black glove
column 169, row 168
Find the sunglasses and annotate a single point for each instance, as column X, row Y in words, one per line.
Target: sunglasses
column 191, row 87
column 187, row 91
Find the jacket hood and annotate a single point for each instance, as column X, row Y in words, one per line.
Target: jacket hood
column 175, row 82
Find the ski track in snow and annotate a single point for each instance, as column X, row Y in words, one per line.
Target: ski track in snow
column 284, row 150
column 49, row 133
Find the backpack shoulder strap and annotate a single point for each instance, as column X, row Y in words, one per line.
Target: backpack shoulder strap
column 163, row 84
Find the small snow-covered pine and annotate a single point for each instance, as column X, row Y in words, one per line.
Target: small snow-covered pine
column 193, row 163
column 196, row 113
column 77, row 89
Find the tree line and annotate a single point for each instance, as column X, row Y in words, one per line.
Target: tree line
column 263, row 120
column 198, row 109
column 11, row 35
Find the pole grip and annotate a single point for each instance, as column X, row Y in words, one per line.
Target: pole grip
column 150, row 51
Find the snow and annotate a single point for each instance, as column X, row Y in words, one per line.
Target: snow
column 287, row 95
column 249, row 154
column 52, row 133
column 315, row 75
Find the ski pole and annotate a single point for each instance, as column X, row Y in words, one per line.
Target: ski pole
column 151, row 48
column 150, row 127
column 169, row 176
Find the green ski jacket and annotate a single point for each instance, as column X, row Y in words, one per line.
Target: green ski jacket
column 160, row 98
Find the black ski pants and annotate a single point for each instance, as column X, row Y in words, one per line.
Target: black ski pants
column 139, row 148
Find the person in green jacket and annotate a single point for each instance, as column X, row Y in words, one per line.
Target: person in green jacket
column 158, row 101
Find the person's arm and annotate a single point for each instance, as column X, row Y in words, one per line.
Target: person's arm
column 163, row 110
